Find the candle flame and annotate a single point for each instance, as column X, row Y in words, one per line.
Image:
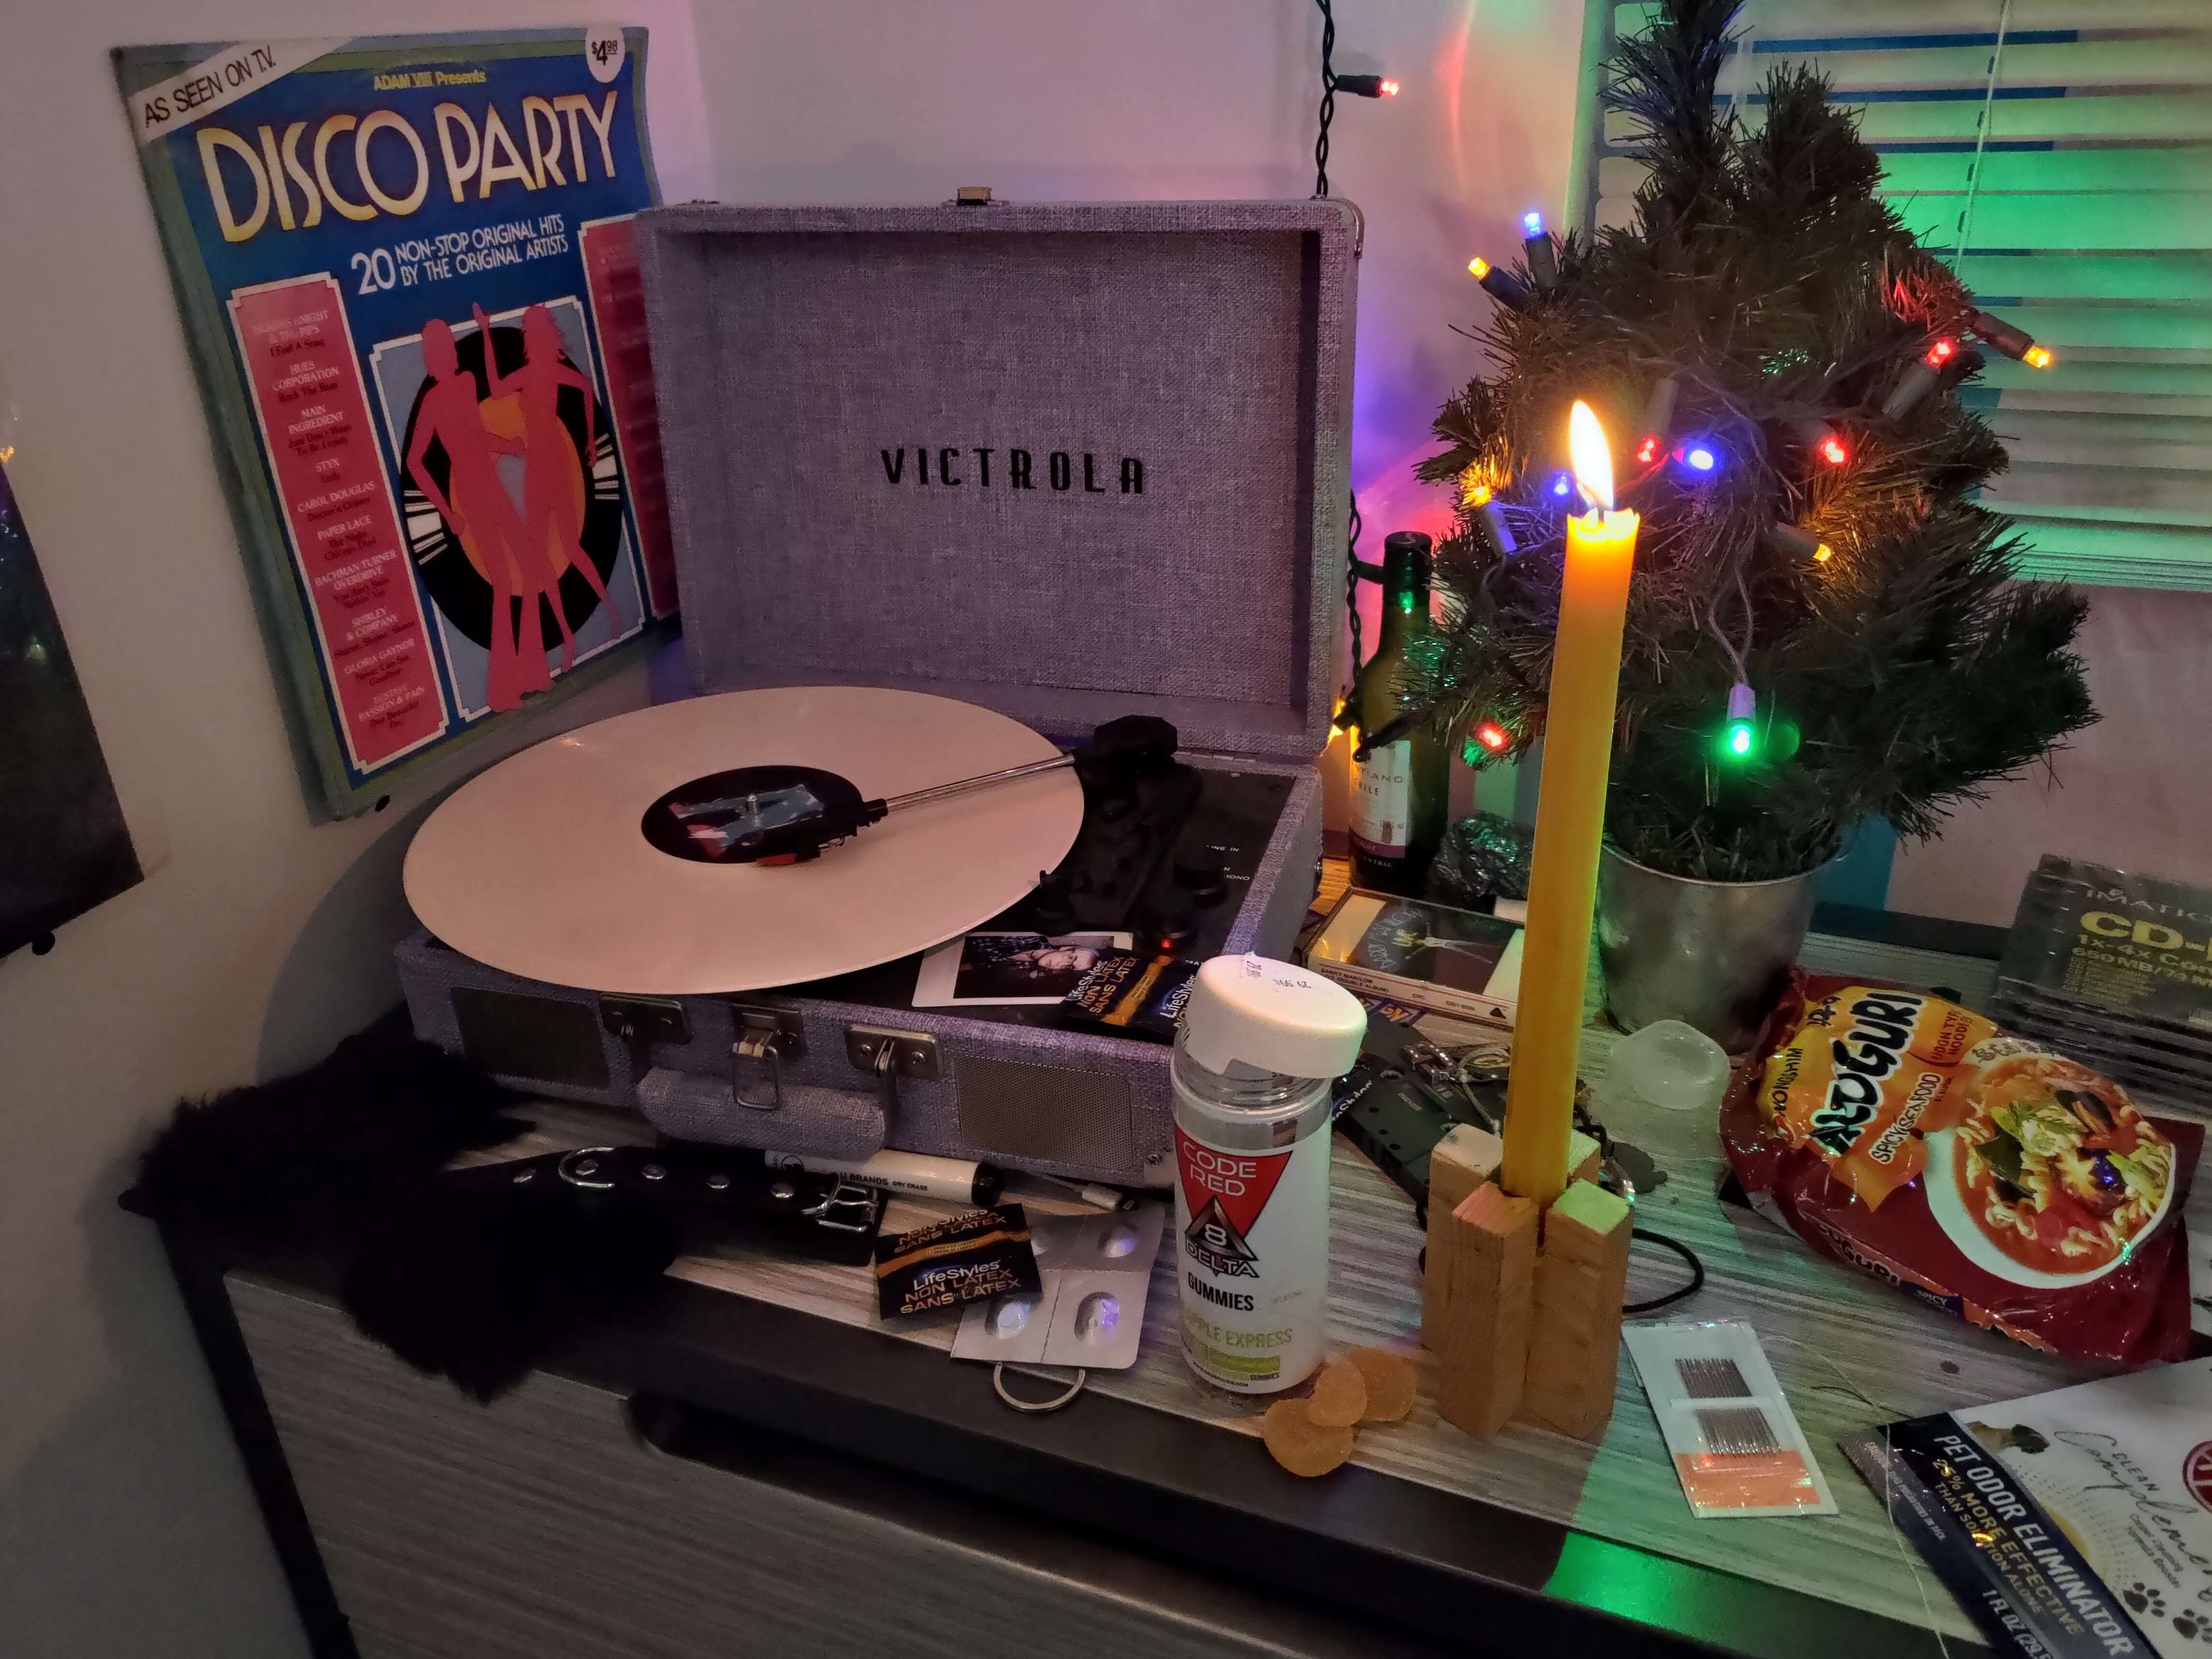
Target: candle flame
column 1593, row 458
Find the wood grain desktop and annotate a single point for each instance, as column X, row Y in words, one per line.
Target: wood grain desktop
column 1851, row 1353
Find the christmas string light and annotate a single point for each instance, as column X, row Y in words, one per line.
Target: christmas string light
column 1795, row 541
column 1488, row 520
column 1820, row 440
column 1946, row 362
column 1367, row 86
column 1658, row 420
column 1486, row 741
column 1740, row 737
column 1501, row 286
column 1543, row 257
column 1699, row 457
column 2001, row 336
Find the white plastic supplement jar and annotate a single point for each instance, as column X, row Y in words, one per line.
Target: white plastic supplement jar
column 1259, row 1042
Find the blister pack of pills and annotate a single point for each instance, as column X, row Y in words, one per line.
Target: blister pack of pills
column 1090, row 1311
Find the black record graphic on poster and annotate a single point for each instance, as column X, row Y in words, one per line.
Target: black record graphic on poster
column 553, row 557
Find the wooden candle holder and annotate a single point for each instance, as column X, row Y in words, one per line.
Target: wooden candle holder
column 1523, row 1305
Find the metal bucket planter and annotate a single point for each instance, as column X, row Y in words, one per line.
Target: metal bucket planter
column 1713, row 954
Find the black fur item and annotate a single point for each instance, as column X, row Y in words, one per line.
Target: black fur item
column 324, row 1154
column 477, row 1278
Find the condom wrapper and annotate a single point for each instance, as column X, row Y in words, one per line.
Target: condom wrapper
column 1992, row 1177
column 984, row 1252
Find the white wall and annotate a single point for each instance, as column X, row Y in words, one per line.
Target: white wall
column 2133, row 791
column 125, row 1526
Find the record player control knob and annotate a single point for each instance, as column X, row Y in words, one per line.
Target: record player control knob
column 1200, row 873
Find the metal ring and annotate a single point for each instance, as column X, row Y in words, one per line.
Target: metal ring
column 999, row 1388
column 570, row 1174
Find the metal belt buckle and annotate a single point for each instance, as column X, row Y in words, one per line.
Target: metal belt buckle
column 846, row 1196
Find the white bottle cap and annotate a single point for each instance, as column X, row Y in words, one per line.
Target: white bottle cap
column 1271, row 1015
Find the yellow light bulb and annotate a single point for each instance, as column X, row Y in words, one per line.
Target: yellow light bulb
column 1478, row 267
column 2038, row 356
column 1823, row 553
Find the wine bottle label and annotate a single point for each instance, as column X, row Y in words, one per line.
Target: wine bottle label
column 1382, row 801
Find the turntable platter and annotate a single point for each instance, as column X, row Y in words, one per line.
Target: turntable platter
column 540, row 867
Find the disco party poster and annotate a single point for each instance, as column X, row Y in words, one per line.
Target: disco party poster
column 410, row 286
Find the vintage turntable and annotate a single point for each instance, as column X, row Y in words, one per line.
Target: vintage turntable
column 860, row 603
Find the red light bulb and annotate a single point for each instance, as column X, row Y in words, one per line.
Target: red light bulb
column 1648, row 451
column 1834, row 453
column 1390, row 88
column 1493, row 737
column 1941, row 353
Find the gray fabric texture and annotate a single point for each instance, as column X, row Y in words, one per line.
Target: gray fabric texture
column 813, row 1122
column 803, row 356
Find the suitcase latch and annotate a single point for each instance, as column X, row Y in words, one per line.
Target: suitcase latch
column 641, row 1021
column 766, row 1038
column 891, row 1056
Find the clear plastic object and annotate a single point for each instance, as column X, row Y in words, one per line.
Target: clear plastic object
column 1668, row 1064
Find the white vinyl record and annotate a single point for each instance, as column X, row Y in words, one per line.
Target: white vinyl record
column 540, row 867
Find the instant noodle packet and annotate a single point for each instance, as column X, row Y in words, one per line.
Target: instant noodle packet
column 2018, row 1190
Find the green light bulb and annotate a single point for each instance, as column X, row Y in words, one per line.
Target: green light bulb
column 1738, row 740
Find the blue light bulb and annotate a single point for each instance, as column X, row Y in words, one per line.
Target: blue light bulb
column 1533, row 222
column 1563, row 484
column 1699, row 455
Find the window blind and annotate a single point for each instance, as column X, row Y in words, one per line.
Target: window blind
column 2058, row 154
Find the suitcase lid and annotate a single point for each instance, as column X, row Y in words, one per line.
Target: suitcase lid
column 1067, row 461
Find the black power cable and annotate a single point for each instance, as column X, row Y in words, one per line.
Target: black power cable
column 1681, row 1293
column 1352, row 568
column 1328, row 97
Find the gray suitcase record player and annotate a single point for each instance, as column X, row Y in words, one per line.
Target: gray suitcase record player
column 1068, row 463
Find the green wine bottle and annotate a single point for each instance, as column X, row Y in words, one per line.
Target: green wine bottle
column 1399, row 789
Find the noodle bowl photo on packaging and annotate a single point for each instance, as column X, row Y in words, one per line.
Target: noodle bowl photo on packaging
column 2054, row 1175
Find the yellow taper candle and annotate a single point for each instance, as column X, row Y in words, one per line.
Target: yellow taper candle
column 1539, row 1100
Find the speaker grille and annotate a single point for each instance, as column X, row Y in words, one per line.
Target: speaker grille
column 539, row 1039
column 1047, row 1112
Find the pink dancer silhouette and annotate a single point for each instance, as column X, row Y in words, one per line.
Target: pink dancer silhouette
column 552, row 505
column 479, row 507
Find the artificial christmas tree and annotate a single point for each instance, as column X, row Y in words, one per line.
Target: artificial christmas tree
column 1785, row 358
column 1823, row 625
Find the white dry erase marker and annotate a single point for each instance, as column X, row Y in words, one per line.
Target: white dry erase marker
column 913, row 1173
